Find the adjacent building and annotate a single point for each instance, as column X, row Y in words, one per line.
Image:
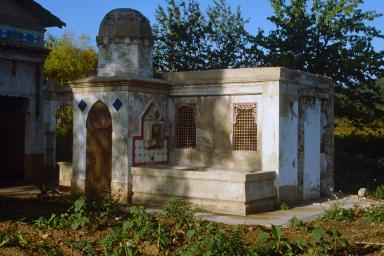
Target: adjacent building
column 23, row 149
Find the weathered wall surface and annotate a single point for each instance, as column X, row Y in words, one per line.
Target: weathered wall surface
column 22, row 53
column 306, row 137
column 133, row 99
column 228, row 192
column 287, row 144
column 119, row 137
column 134, row 58
column 214, row 133
column 288, row 137
column 21, row 76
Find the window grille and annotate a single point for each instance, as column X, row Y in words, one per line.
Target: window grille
column 185, row 126
column 244, row 127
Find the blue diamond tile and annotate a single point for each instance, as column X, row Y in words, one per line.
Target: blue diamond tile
column 30, row 38
column 19, row 36
column 117, row 104
column 8, row 34
column 82, row 105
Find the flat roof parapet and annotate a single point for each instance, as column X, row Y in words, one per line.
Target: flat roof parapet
column 245, row 75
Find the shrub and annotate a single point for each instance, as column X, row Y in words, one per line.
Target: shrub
column 375, row 214
column 379, row 192
column 86, row 246
column 284, row 206
column 102, row 211
column 4, row 239
column 297, row 223
column 179, row 209
column 335, row 212
column 75, row 217
column 219, row 243
column 124, row 240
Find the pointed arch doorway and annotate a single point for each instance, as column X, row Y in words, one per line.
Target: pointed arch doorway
column 99, row 151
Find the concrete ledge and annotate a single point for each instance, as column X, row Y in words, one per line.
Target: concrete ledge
column 246, row 75
column 65, row 174
column 229, row 192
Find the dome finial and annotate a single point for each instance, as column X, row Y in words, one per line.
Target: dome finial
column 125, row 44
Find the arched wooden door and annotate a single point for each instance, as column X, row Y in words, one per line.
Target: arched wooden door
column 99, row 151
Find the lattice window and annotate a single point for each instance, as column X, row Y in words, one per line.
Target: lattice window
column 244, row 126
column 185, row 126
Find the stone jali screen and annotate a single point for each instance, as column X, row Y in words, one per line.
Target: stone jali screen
column 185, row 127
column 244, row 127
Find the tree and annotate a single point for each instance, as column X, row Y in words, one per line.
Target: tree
column 363, row 104
column 227, row 37
column 70, row 58
column 188, row 39
column 328, row 37
column 180, row 37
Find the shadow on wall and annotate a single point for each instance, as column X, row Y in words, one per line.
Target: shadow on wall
column 214, row 149
column 214, row 113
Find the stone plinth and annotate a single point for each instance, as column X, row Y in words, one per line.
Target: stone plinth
column 222, row 191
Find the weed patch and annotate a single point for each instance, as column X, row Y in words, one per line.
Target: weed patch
column 336, row 212
column 74, row 218
column 375, row 214
column 179, row 209
column 379, row 192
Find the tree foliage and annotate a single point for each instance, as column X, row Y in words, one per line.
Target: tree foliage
column 325, row 37
column 328, row 37
column 228, row 39
column 70, row 58
column 332, row 38
column 186, row 38
column 180, row 37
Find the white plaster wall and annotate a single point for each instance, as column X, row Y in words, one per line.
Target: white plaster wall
column 270, row 127
column 288, row 136
column 214, row 132
column 311, row 186
column 119, row 137
column 116, row 59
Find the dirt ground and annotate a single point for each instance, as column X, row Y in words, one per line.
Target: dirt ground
column 17, row 215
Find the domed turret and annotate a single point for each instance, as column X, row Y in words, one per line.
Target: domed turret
column 125, row 44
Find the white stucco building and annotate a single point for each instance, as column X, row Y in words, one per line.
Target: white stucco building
column 234, row 141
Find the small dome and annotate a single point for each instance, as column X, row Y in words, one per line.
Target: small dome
column 125, row 22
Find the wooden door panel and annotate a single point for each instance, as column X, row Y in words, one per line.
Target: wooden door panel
column 99, row 151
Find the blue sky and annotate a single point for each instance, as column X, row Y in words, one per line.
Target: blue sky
column 84, row 16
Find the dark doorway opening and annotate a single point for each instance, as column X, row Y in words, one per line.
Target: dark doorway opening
column 99, row 152
column 64, row 134
column 12, row 138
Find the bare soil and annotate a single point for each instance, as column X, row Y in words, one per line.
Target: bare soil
column 17, row 215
